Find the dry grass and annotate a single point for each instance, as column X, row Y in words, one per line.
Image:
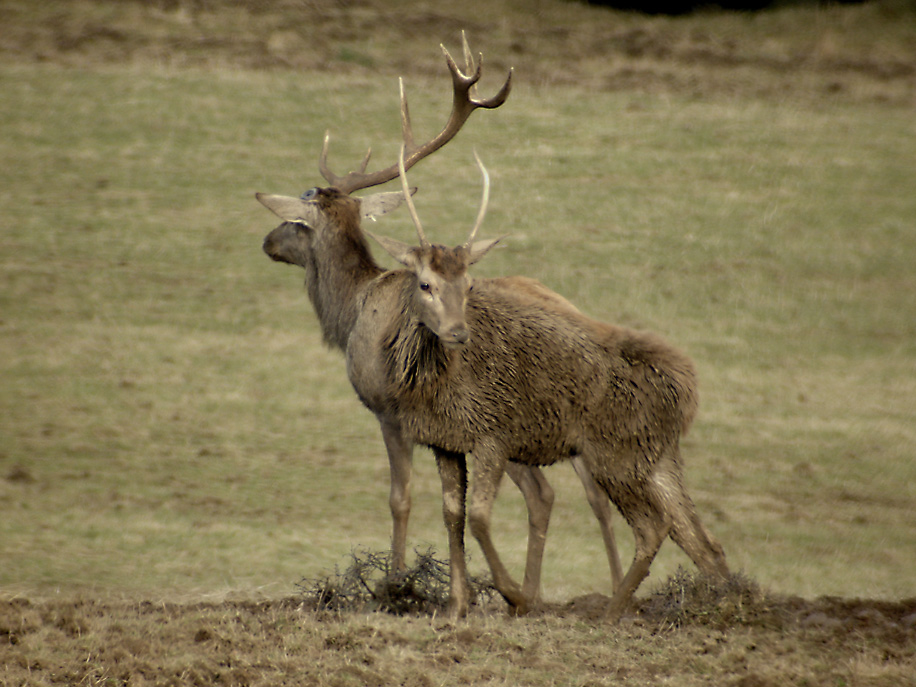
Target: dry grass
column 784, row 641
column 369, row 584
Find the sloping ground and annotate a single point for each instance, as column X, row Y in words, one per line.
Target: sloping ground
column 860, row 52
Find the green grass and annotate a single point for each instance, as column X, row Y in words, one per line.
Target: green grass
column 177, row 427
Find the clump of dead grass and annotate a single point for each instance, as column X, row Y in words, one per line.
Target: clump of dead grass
column 369, row 584
column 698, row 599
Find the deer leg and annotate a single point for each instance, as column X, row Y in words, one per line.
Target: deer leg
column 687, row 530
column 488, row 470
column 400, row 459
column 539, row 497
column 601, row 507
column 650, row 527
column 698, row 543
column 453, row 473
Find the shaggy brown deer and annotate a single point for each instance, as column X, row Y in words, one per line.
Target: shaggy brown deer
column 501, row 373
column 322, row 234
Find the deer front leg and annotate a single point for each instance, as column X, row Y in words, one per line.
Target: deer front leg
column 400, row 461
column 453, row 473
column 539, row 498
column 488, row 469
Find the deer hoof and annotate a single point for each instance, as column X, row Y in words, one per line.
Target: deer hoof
column 518, row 609
column 456, row 610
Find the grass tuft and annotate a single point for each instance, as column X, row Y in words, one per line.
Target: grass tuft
column 688, row 598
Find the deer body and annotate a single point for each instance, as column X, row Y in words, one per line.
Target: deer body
column 532, row 383
column 537, row 382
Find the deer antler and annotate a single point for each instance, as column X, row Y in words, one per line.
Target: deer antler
column 464, row 102
column 413, row 209
column 483, row 203
column 408, row 197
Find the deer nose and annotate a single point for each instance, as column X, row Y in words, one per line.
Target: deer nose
column 457, row 336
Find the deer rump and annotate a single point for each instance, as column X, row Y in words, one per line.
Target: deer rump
column 538, row 378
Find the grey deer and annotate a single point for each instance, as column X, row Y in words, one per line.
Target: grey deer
column 322, row 234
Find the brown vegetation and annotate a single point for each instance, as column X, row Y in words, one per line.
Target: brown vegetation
column 692, row 628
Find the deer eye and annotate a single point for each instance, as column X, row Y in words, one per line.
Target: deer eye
column 424, row 286
column 310, row 194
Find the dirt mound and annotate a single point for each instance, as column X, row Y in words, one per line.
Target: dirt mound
column 688, row 599
column 685, row 600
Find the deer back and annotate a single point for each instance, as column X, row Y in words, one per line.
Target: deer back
column 535, row 375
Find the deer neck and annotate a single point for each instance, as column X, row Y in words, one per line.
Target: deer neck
column 338, row 273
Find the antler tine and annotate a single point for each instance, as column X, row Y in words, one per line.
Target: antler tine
column 323, row 161
column 464, row 102
column 483, row 203
column 362, row 167
column 326, row 172
column 406, row 126
column 465, row 84
column 469, row 60
column 407, row 196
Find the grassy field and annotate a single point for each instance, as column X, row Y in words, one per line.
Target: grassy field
column 172, row 428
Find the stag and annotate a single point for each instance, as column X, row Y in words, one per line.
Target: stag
column 322, row 234
column 504, row 373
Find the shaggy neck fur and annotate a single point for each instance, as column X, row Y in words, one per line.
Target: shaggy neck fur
column 414, row 356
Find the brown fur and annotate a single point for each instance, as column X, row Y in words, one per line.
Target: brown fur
column 544, row 382
column 538, row 382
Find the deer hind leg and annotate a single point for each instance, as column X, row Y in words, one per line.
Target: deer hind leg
column 601, row 506
column 687, row 531
column 400, row 459
column 650, row 527
column 453, row 473
column 488, row 470
column 539, row 498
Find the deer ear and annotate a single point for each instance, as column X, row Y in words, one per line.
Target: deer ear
column 401, row 252
column 380, row 204
column 480, row 248
column 287, row 208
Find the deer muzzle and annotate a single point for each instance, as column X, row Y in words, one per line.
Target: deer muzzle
column 455, row 336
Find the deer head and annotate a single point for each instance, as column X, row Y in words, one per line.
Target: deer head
column 321, row 217
column 442, row 283
column 320, row 211
column 323, row 225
